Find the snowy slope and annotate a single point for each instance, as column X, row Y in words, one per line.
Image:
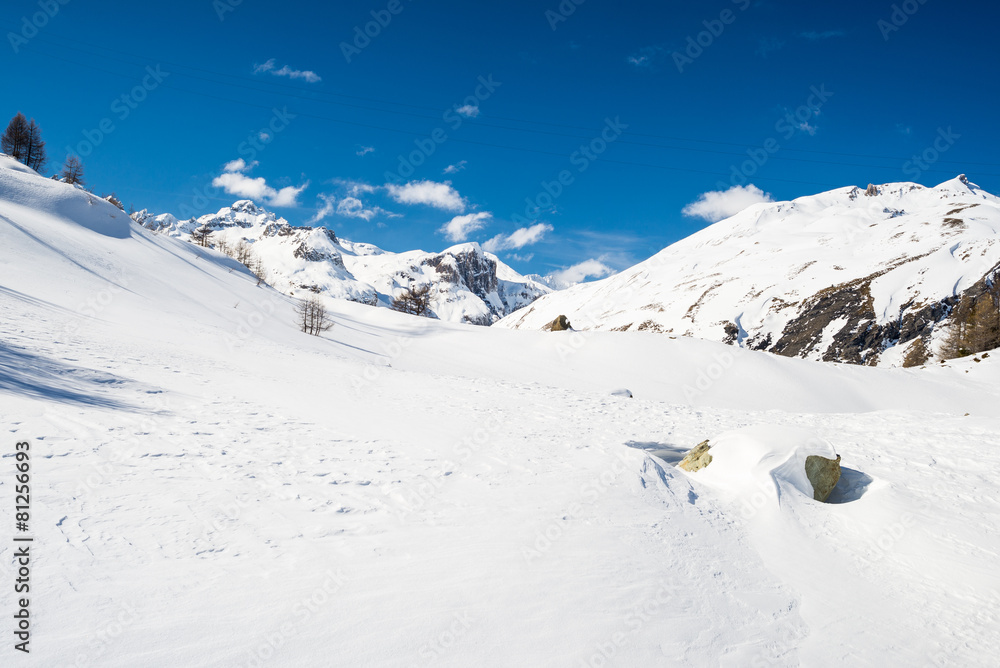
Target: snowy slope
column 213, row 488
column 468, row 284
column 845, row 275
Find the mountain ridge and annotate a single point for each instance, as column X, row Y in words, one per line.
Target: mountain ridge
column 467, row 283
column 850, row 275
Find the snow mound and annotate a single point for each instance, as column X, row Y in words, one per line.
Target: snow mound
column 764, row 460
column 22, row 187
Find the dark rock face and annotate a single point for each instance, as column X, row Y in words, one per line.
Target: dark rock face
column 861, row 340
column 732, row 333
column 476, row 271
column 560, row 324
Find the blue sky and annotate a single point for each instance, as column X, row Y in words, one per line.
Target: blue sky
column 555, row 133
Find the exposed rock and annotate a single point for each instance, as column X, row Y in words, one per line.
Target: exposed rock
column 698, row 458
column 872, row 191
column 823, row 473
column 560, row 324
column 732, row 333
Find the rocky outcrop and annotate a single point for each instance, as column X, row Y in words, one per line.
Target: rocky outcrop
column 560, row 324
column 823, row 474
column 697, row 458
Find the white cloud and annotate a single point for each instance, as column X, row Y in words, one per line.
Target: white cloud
column 645, row 57
column 578, row 273
column 718, row 205
column 288, row 196
column 365, row 150
column 439, row 195
column 355, row 188
column 352, row 207
column 239, row 184
column 239, row 165
column 285, row 71
column 469, row 111
column 461, row 227
column 456, row 168
column 325, row 211
column 520, row 238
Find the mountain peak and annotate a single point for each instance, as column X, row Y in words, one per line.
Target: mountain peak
column 850, row 275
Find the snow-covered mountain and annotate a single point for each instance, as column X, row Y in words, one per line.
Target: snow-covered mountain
column 467, row 283
column 850, row 275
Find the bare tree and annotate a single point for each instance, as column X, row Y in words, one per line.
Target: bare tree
column 72, row 171
column 243, row 252
column 983, row 328
column 256, row 267
column 312, row 317
column 113, row 199
column 34, row 155
column 201, row 235
column 974, row 328
column 413, row 300
column 917, row 354
column 16, row 138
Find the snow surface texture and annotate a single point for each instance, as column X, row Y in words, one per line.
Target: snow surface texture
column 468, row 284
column 212, row 487
column 904, row 248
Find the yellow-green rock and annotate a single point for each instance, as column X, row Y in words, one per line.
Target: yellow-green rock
column 823, row 473
column 698, row 458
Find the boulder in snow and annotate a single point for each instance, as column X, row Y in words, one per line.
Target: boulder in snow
column 697, row 458
column 766, row 458
column 560, row 324
column 823, row 474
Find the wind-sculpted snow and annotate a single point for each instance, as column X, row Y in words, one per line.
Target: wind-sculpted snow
column 841, row 276
column 468, row 284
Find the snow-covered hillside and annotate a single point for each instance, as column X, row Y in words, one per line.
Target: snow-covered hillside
column 849, row 275
column 212, row 487
column 467, row 283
